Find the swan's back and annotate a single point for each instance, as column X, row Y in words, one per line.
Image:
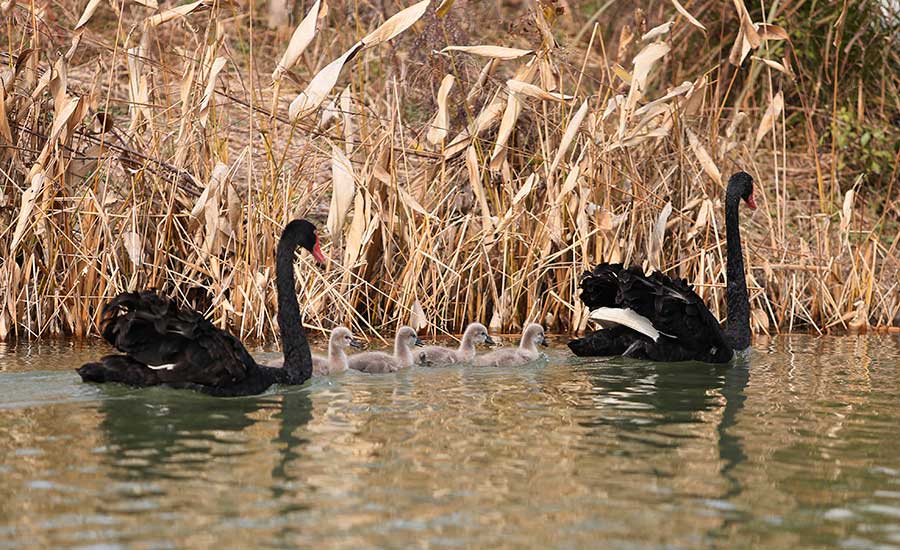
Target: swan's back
column 321, row 365
column 505, row 357
column 435, row 356
column 163, row 343
column 374, row 362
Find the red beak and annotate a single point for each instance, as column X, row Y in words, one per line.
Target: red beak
column 317, row 252
column 751, row 202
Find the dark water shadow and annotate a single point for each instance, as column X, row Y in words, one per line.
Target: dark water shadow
column 161, row 433
column 672, row 394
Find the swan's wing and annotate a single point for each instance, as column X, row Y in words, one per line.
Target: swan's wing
column 178, row 343
column 628, row 318
column 672, row 307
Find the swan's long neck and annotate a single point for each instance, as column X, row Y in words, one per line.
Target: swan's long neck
column 737, row 332
column 402, row 352
column 528, row 344
column 467, row 346
column 297, row 359
column 337, row 358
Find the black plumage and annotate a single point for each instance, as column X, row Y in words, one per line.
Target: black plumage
column 689, row 331
column 164, row 344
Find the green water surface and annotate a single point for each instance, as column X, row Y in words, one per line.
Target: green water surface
column 795, row 446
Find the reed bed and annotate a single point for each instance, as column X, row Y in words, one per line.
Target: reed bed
column 457, row 172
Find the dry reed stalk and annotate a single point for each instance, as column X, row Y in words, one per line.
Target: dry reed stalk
column 160, row 167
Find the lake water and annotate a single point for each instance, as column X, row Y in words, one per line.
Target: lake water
column 794, row 447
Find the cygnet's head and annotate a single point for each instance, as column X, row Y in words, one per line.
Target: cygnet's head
column 408, row 337
column 343, row 339
column 478, row 334
column 534, row 335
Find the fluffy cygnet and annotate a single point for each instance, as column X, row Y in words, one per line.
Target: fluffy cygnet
column 374, row 362
column 433, row 356
column 510, row 357
column 336, row 360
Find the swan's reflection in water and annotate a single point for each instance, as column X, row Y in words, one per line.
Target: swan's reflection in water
column 786, row 448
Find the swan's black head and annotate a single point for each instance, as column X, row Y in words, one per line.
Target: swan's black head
column 303, row 233
column 741, row 183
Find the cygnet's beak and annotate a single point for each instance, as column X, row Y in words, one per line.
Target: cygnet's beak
column 419, row 343
column 489, row 341
column 358, row 344
column 543, row 341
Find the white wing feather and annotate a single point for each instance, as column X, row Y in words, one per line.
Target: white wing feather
column 626, row 317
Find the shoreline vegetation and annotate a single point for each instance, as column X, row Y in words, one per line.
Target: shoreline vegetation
column 464, row 161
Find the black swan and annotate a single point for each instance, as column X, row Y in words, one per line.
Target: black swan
column 163, row 344
column 662, row 319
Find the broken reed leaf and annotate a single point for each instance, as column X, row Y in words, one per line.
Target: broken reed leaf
column 768, row 31
column 569, row 134
column 526, row 189
column 706, row 161
column 656, row 32
column 643, row 63
column 437, row 133
column 683, row 88
column 343, row 189
column 214, row 71
column 530, row 90
column 346, row 101
column 134, row 247
column 417, row 318
column 774, row 64
column 398, row 23
column 443, row 8
column 611, row 105
column 507, row 124
column 477, row 188
column 747, row 25
column 847, row 213
column 177, row 12
column 702, row 220
column 495, row 52
column 769, row 118
column 571, row 178
column 87, row 13
column 356, row 231
column 687, row 15
column 301, row 38
column 658, row 236
column 320, row 86
column 622, row 73
column 29, row 196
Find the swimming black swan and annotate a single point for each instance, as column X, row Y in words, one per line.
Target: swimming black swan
column 164, row 344
column 662, row 319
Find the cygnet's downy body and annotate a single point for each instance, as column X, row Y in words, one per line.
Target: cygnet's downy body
column 532, row 336
column 375, row 362
column 336, row 360
column 436, row 356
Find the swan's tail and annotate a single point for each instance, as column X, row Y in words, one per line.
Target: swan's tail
column 121, row 369
column 599, row 288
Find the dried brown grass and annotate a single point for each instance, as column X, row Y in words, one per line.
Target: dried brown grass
column 151, row 148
